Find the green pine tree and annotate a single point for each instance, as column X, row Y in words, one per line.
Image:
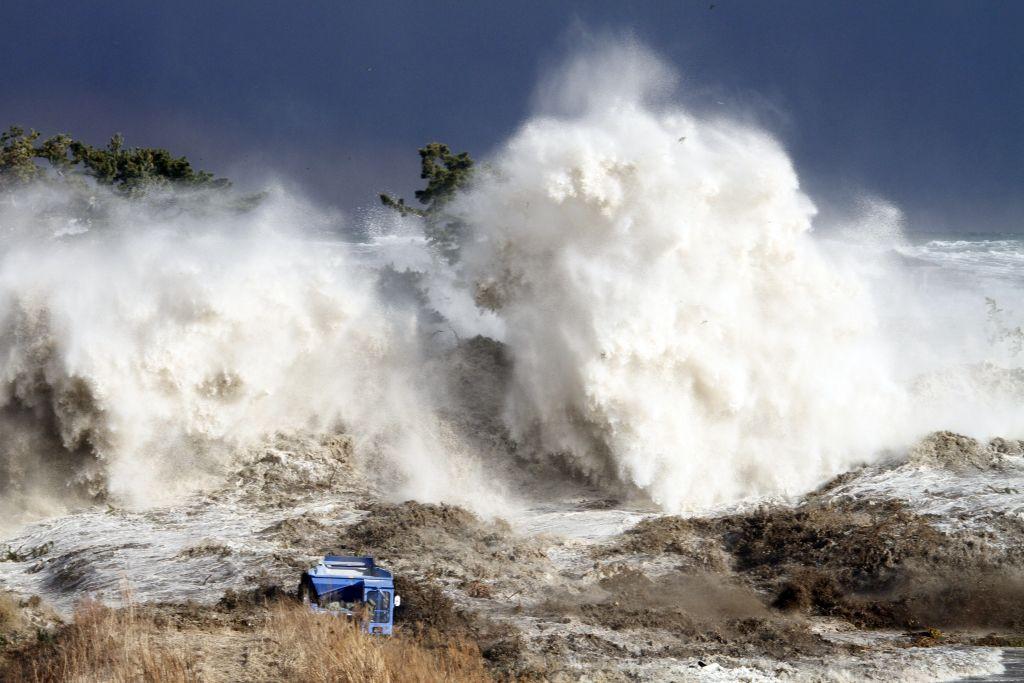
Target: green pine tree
column 446, row 173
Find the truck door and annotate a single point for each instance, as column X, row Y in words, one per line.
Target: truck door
column 379, row 602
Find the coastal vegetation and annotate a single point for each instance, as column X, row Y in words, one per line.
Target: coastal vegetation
column 445, row 173
column 26, row 158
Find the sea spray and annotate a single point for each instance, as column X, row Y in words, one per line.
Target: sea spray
column 141, row 356
column 657, row 313
column 671, row 322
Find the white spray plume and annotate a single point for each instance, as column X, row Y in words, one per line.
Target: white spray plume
column 159, row 347
column 671, row 322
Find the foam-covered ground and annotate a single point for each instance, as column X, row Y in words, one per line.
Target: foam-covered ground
column 592, row 588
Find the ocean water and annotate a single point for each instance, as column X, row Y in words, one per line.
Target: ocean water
column 993, row 258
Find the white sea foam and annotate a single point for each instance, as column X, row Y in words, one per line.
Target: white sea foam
column 671, row 320
column 674, row 326
column 141, row 356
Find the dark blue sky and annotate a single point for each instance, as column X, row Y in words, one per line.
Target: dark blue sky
column 919, row 102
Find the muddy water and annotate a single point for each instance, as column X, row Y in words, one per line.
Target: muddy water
column 233, row 538
column 197, row 551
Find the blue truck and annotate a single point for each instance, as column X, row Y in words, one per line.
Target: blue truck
column 352, row 586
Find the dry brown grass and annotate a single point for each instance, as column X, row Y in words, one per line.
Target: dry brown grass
column 102, row 644
column 283, row 642
column 10, row 613
column 326, row 649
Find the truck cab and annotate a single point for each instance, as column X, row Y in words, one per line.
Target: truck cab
column 352, row 586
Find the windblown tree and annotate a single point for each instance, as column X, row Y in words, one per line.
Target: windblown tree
column 445, row 174
column 129, row 170
column 17, row 157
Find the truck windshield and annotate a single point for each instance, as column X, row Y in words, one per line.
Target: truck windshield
column 380, row 604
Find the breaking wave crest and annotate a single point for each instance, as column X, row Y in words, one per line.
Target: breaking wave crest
column 672, row 322
column 665, row 323
column 140, row 357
